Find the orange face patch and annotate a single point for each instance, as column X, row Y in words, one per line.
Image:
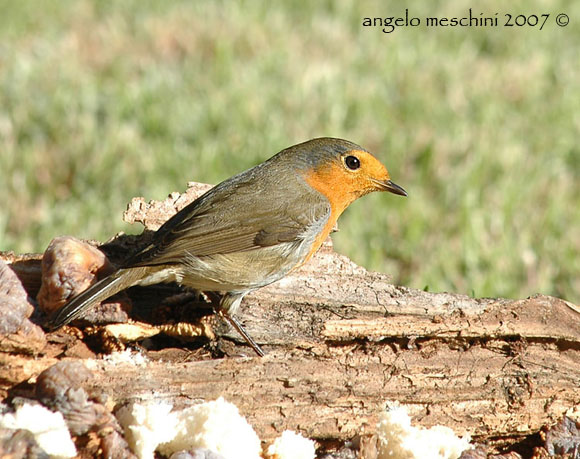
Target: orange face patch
column 342, row 185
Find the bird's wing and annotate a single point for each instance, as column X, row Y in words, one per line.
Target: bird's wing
column 224, row 222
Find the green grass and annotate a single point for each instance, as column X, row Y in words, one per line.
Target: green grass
column 102, row 101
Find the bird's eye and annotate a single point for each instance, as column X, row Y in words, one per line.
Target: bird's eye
column 352, row 162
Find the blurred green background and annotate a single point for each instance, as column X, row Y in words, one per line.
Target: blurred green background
column 101, row 101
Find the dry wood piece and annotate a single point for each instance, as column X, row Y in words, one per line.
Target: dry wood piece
column 563, row 438
column 135, row 331
column 19, row 443
column 14, row 306
column 17, row 333
column 154, row 213
column 497, row 387
column 69, row 266
column 60, row 388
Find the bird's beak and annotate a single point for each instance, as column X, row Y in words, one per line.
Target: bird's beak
column 390, row 186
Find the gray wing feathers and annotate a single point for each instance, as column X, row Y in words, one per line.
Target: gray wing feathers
column 245, row 220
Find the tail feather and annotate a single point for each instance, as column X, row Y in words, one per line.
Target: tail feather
column 98, row 292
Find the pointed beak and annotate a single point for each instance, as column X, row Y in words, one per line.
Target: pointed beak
column 390, row 186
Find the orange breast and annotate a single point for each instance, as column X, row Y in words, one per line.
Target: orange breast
column 329, row 180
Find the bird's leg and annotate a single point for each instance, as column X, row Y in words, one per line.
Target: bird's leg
column 242, row 331
column 229, row 302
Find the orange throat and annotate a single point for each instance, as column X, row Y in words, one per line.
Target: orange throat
column 329, row 181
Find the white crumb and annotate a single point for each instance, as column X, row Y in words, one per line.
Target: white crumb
column 291, row 445
column 398, row 439
column 126, row 356
column 147, row 426
column 217, row 426
column 48, row 427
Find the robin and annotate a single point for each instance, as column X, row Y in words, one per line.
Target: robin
column 250, row 230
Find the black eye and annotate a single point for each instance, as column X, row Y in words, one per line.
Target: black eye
column 352, row 162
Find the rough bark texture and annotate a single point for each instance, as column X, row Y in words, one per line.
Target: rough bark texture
column 341, row 343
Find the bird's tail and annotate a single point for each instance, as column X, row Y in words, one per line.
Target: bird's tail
column 119, row 280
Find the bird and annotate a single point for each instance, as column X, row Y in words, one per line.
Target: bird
column 250, row 230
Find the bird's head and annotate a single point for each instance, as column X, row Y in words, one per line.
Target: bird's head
column 344, row 171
